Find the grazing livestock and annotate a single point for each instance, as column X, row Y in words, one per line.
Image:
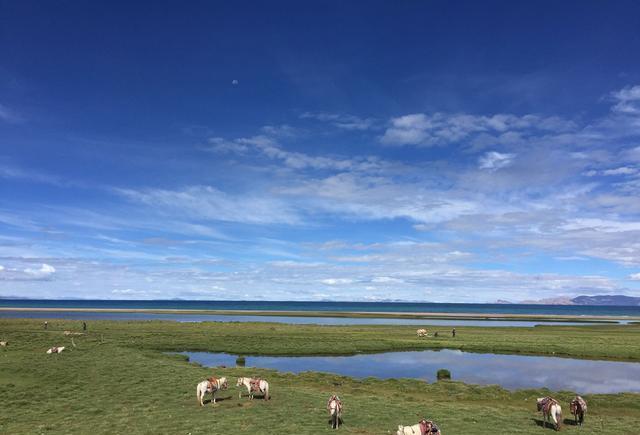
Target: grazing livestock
column 254, row 385
column 210, row 385
column 55, row 349
column 551, row 410
column 578, row 408
column 421, row 332
column 4, row 343
column 334, row 406
column 424, row 427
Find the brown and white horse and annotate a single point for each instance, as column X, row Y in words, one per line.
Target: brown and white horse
column 421, row 332
column 334, row 406
column 551, row 410
column 210, row 385
column 254, row 385
column 424, row 427
column 578, row 408
column 55, row 349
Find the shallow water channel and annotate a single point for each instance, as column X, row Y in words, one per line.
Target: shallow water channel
column 180, row 317
column 509, row 371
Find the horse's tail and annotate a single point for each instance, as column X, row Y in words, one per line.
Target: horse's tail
column 198, row 393
column 266, row 390
column 559, row 416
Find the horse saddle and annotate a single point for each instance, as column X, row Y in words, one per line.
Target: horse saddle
column 213, row 382
column 255, row 384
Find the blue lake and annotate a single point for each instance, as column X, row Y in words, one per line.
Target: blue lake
column 509, row 371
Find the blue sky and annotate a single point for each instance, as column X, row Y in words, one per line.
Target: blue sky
column 431, row 151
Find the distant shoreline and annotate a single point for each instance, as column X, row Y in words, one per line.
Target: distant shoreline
column 345, row 314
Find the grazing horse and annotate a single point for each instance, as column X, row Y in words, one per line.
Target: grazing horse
column 424, row 427
column 55, row 349
column 551, row 410
column 254, row 385
column 4, row 343
column 334, row 406
column 578, row 408
column 421, row 332
column 210, row 385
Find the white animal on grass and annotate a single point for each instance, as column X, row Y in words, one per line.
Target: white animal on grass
column 334, row 406
column 422, row 428
column 4, row 343
column 210, row 385
column 55, row 349
column 254, row 386
column 421, row 332
column 551, row 410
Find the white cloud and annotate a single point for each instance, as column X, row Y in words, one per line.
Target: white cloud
column 627, row 100
column 442, row 129
column 493, row 160
column 635, row 276
column 343, row 121
column 43, row 272
column 337, row 281
column 206, row 202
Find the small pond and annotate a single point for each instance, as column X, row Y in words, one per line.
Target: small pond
column 180, row 317
column 509, row 371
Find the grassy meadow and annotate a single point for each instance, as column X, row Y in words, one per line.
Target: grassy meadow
column 118, row 380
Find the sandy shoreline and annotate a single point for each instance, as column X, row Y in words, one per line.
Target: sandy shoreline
column 352, row 314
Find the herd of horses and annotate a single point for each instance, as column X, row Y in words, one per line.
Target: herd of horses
column 550, row 407
column 552, row 411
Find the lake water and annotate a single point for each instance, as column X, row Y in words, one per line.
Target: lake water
column 387, row 307
column 97, row 315
column 509, row 371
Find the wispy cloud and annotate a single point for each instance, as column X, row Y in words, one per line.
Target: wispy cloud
column 342, row 120
column 10, row 116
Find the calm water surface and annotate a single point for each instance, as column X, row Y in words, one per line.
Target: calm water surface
column 75, row 315
column 510, row 371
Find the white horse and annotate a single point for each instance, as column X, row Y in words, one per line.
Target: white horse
column 254, row 386
column 4, row 343
column 55, row 349
column 422, row 428
column 210, row 385
column 334, row 406
column 421, row 332
column 551, row 410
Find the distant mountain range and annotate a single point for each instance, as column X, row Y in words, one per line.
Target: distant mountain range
column 617, row 300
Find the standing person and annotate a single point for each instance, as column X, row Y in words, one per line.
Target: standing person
column 46, row 325
column 453, row 332
column 84, row 326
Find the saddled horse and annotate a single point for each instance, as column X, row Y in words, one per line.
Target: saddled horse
column 254, row 385
column 424, row 427
column 210, row 385
column 334, row 406
column 578, row 408
column 551, row 410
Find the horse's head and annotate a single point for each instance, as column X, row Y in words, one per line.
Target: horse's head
column 240, row 382
column 400, row 430
column 539, row 401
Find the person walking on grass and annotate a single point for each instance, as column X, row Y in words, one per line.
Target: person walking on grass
column 46, row 325
column 84, row 326
column 453, row 332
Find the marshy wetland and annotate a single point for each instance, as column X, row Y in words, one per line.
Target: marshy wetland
column 119, row 378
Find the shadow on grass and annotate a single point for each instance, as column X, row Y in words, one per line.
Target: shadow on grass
column 543, row 424
column 218, row 399
column 340, row 422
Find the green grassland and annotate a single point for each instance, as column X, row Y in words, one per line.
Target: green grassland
column 118, row 380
